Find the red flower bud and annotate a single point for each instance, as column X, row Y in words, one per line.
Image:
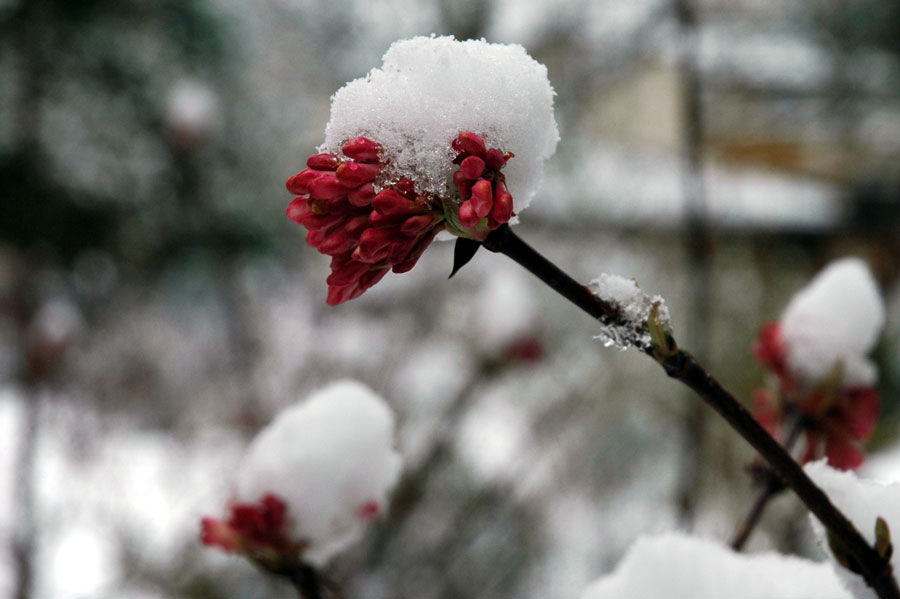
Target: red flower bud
column 472, row 143
column 323, row 162
column 415, row 225
column 326, row 187
column 472, row 167
column 495, row 159
column 344, row 238
column 407, row 188
column 362, row 195
column 389, row 202
column 299, row 184
column 416, row 252
column 362, row 149
column 467, row 216
column 482, row 198
column 502, row 210
column 298, row 210
column 463, row 185
column 354, row 174
column 373, row 245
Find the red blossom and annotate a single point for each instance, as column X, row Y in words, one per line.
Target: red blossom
column 370, row 223
column 486, row 201
column 835, row 420
column 354, row 213
column 258, row 530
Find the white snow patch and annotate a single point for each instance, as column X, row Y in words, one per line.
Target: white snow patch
column 632, row 328
column 678, row 565
column 836, row 318
column 429, row 89
column 862, row 501
column 326, row 458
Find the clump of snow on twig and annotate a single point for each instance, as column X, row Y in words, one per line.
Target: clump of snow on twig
column 331, row 460
column 836, row 318
column 678, row 565
column 631, row 328
column 862, row 501
column 429, row 89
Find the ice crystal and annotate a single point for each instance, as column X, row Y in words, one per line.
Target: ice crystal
column 630, row 327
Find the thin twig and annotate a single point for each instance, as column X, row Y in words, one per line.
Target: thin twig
column 771, row 486
column 682, row 366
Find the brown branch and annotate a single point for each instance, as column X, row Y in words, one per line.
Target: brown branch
column 682, row 366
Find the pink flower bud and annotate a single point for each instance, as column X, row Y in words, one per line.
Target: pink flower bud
column 354, row 174
column 215, row 533
column 373, row 245
column 472, row 143
column 415, row 225
column 416, row 252
column 407, row 188
column 299, row 184
column 463, row 185
column 326, row 187
column 472, row 167
column 381, row 221
column 482, row 198
column 298, row 210
column 495, row 159
column 362, row 195
column 344, row 238
column 502, row 210
column 467, row 216
column 323, row 162
column 345, row 271
column 362, row 149
column 389, row 202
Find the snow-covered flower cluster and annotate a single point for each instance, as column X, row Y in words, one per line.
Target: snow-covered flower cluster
column 823, row 382
column 679, row 565
column 863, row 502
column 311, row 480
column 416, row 147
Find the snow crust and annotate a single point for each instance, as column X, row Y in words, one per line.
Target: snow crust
column 326, row 458
column 678, row 565
column 836, row 318
column 632, row 329
column 429, row 89
column 862, row 501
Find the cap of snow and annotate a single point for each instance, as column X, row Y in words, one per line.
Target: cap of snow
column 862, row 501
column 632, row 327
column 836, row 318
column 331, row 460
column 678, row 565
column 429, row 89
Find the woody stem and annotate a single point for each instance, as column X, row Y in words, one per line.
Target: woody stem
column 682, row 366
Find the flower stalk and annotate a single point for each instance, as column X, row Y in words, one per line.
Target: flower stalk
column 682, row 366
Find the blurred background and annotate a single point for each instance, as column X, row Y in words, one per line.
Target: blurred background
column 157, row 308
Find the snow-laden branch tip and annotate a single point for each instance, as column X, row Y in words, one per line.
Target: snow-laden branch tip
column 863, row 501
column 631, row 327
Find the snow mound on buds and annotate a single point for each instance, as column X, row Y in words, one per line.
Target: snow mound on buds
column 631, row 329
column 836, row 318
column 862, row 501
column 678, row 565
column 429, row 89
column 330, row 459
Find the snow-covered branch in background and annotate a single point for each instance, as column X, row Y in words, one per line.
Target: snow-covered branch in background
column 823, row 380
column 311, row 481
column 864, row 502
column 678, row 565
